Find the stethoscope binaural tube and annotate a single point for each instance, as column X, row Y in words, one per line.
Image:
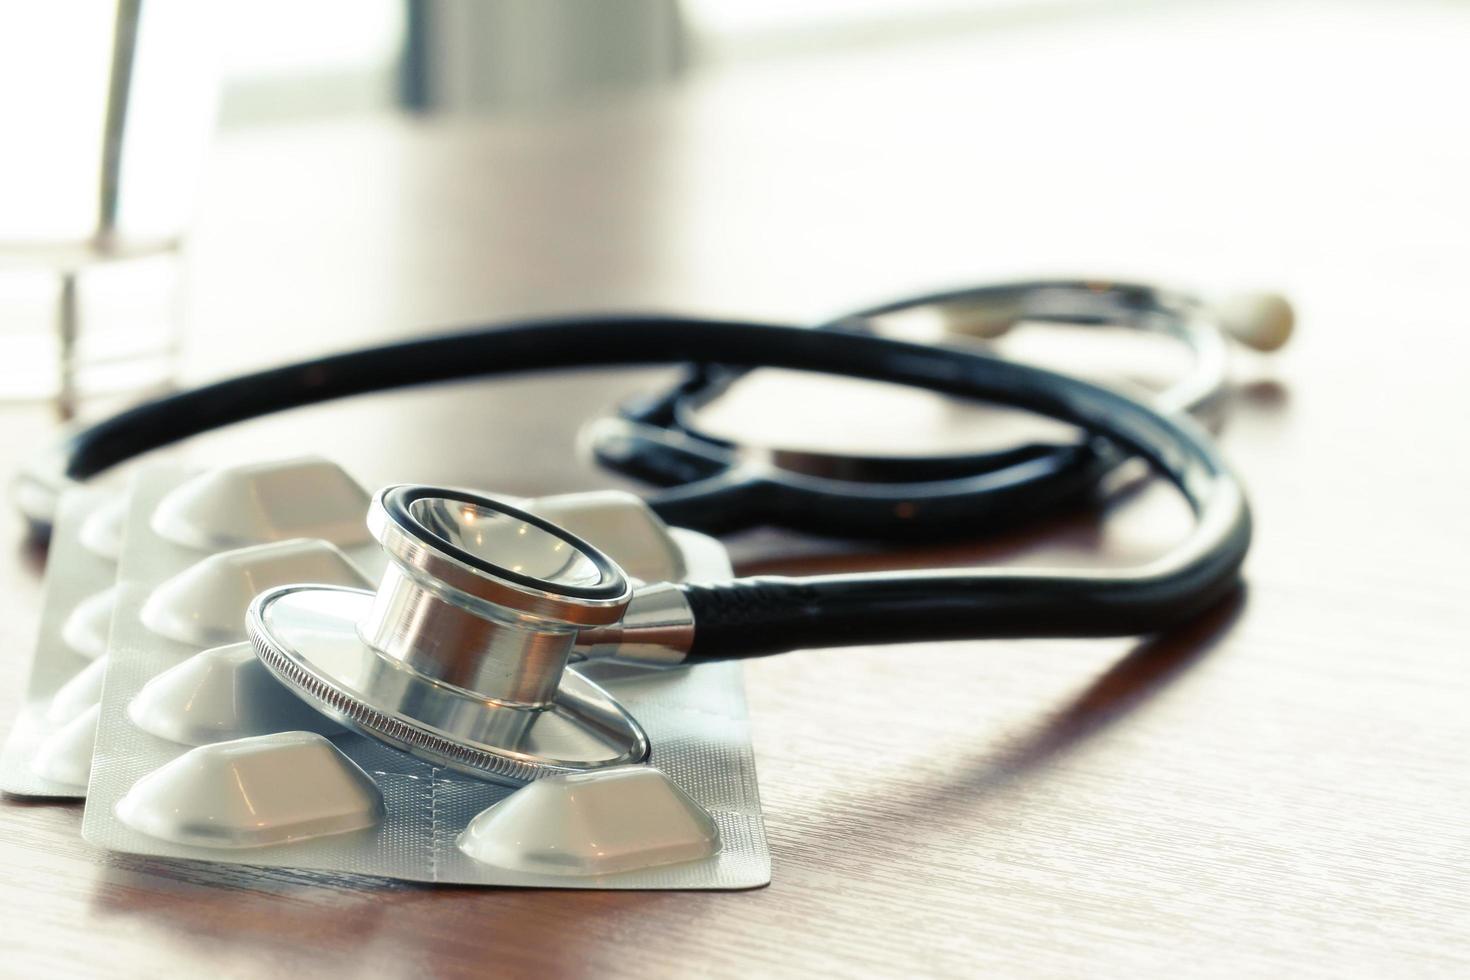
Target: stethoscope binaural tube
column 759, row 616
column 766, row 615
column 708, row 483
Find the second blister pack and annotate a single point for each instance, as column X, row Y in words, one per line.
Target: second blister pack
column 49, row 750
column 201, row 753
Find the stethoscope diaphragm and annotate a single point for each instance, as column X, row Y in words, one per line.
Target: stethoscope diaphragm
column 460, row 655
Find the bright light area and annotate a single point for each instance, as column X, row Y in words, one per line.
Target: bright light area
column 53, row 93
column 288, row 37
column 769, row 16
column 285, row 61
column 170, row 117
column 732, row 30
column 289, row 58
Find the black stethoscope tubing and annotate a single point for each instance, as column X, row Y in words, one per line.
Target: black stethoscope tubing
column 709, row 483
column 771, row 614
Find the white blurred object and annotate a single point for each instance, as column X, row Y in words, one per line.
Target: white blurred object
column 102, row 532
column 85, row 630
column 114, row 104
column 469, row 56
column 66, row 755
column 1261, row 321
column 619, row 523
column 83, row 691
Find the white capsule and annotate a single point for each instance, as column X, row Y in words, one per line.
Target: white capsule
column 102, row 532
column 253, row 792
column 593, row 823
column 66, row 754
column 205, row 604
column 221, row 694
column 78, row 694
column 86, row 629
column 257, row 503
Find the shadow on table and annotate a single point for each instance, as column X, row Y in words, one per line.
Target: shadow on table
column 1124, row 687
column 276, row 921
column 275, row 916
column 1127, row 684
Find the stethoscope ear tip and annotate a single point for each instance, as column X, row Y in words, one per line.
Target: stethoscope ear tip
column 1262, row 321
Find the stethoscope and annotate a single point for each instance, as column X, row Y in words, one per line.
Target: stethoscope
column 712, row 484
column 460, row 656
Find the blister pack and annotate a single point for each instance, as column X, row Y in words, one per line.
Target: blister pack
column 201, row 753
column 49, row 750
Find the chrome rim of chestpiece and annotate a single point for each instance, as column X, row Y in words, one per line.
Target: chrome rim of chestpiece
column 460, row 656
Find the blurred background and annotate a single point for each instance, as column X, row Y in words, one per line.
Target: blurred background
column 191, row 190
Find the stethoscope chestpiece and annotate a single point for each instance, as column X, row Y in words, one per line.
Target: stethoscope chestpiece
column 460, row 656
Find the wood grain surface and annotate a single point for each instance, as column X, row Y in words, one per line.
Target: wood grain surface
column 1280, row 790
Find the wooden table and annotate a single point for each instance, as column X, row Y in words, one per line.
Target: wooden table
column 1281, row 790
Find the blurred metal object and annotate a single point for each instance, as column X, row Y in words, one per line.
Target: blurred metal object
column 119, row 84
column 116, row 103
column 464, row 56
